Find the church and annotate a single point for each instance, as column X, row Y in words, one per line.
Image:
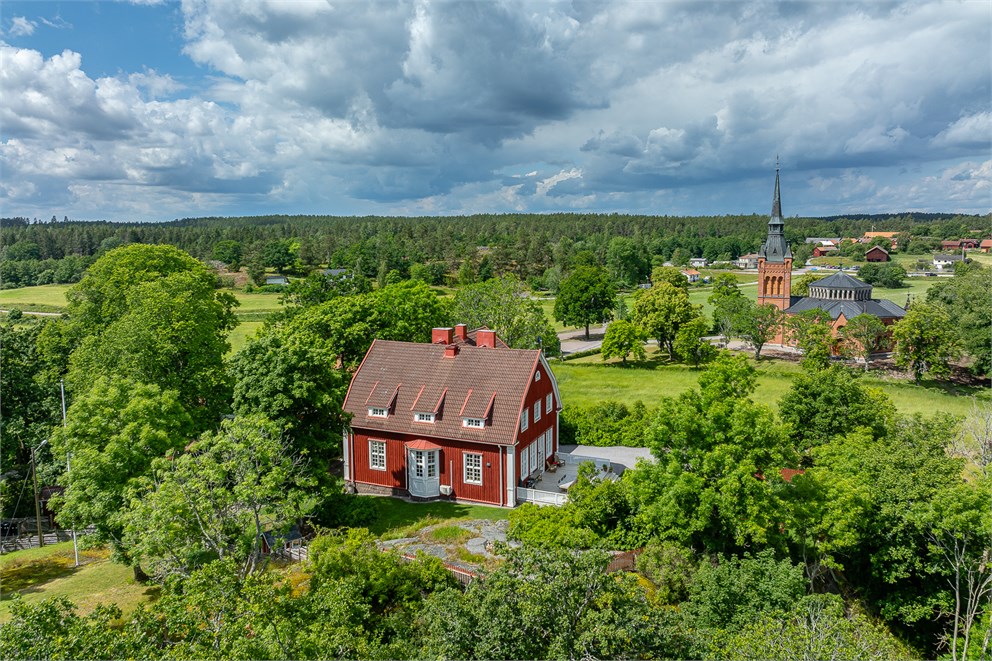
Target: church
column 840, row 296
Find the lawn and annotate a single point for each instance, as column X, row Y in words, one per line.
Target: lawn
column 43, row 573
column 242, row 333
column 399, row 518
column 51, row 298
column 44, row 298
column 587, row 381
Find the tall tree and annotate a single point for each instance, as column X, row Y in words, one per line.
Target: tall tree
column 967, row 301
column 173, row 334
column 584, row 297
column 925, row 341
column 661, row 312
column 294, row 380
column 862, row 336
column 622, row 339
column 217, row 500
column 502, row 304
column 113, row 433
column 715, row 482
column 811, row 333
column 757, row 325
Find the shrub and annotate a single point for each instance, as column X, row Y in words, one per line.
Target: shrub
column 606, row 424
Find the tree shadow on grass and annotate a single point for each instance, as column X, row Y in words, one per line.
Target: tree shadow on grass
column 32, row 576
column 397, row 515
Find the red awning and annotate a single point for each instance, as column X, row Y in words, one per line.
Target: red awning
column 422, row 444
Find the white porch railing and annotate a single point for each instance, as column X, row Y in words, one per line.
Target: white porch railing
column 541, row 497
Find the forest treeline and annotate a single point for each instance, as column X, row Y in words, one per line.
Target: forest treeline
column 525, row 244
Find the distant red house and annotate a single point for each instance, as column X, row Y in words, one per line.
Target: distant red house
column 876, row 254
column 986, row 245
column 822, row 251
column 464, row 418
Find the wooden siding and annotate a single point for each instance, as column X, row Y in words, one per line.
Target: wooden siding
column 450, row 460
column 537, row 392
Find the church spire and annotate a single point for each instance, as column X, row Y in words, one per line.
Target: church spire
column 776, row 248
column 777, row 200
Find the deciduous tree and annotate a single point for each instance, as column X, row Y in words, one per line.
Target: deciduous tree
column 862, row 336
column 113, row 433
column 217, row 499
column 622, row 339
column 584, row 297
column 502, row 304
column 661, row 311
column 757, row 325
column 925, row 341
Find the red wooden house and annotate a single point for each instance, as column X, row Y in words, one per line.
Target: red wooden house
column 464, row 418
column 877, row 254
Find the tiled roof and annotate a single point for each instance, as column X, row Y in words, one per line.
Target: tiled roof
column 478, row 382
column 841, row 280
column 881, row 308
column 986, row 243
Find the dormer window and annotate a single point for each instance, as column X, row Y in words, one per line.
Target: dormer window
column 473, row 423
column 378, row 412
column 423, row 417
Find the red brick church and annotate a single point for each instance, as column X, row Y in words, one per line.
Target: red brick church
column 840, row 296
column 463, row 418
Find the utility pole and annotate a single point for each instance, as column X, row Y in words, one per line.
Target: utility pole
column 37, row 501
column 68, row 468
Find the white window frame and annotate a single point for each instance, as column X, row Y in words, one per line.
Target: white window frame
column 549, row 444
column 472, row 468
column 423, row 417
column 537, row 411
column 537, row 375
column 547, row 403
column 524, row 419
column 374, row 455
column 533, row 457
column 473, row 423
column 540, row 447
column 378, row 412
column 431, row 460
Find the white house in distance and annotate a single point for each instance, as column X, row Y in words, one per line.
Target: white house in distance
column 748, row 261
column 698, row 263
column 942, row 262
column 692, row 275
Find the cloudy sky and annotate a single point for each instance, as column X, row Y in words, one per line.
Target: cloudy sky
column 159, row 110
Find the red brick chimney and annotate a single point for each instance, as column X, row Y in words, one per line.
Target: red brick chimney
column 485, row 338
column 451, row 351
column 461, row 331
column 442, row 336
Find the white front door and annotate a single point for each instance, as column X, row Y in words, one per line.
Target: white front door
column 423, row 473
column 524, row 469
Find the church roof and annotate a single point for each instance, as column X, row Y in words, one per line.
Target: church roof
column 881, row 308
column 841, row 280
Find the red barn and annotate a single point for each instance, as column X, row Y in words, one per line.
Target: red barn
column 877, row 254
column 464, row 418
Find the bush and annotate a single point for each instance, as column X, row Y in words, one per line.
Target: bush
column 606, row 424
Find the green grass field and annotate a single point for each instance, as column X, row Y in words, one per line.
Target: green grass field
column 45, row 298
column 587, row 381
column 43, row 573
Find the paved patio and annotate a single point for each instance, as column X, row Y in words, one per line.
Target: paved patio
column 611, row 462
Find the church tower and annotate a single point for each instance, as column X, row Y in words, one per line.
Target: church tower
column 775, row 259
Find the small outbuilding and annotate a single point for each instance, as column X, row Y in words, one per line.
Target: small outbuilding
column 877, row 254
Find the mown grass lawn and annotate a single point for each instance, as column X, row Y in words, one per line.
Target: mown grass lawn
column 43, row 573
column 587, row 381
column 399, row 518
